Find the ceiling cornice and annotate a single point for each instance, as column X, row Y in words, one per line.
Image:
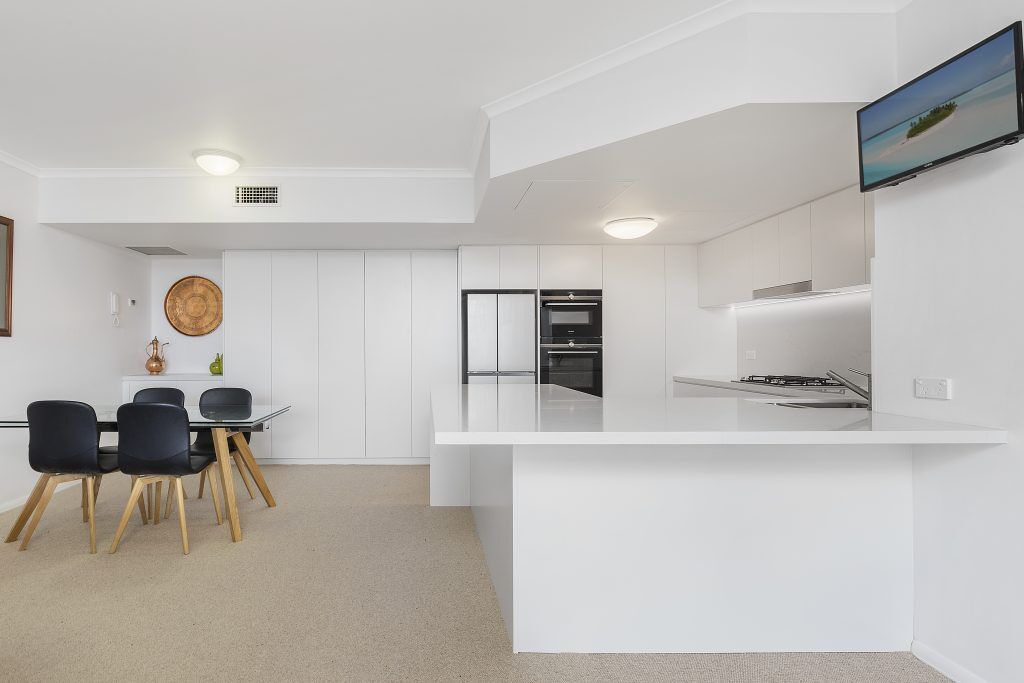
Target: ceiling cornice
column 19, row 163
column 258, row 172
column 705, row 20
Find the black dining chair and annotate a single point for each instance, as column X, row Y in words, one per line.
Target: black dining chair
column 176, row 397
column 154, row 447
column 225, row 397
column 63, row 445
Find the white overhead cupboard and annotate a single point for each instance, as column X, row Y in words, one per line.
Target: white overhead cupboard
column 828, row 241
column 351, row 340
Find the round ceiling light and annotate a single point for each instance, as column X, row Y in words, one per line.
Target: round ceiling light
column 630, row 228
column 217, row 161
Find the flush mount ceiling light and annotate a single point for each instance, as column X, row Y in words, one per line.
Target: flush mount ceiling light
column 217, row 161
column 630, row 228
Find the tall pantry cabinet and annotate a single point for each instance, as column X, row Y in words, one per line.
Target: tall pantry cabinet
column 351, row 340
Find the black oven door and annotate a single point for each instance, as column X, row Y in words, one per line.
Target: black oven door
column 571, row 315
column 574, row 367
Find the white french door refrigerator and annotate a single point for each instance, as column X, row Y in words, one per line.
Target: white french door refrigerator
column 500, row 338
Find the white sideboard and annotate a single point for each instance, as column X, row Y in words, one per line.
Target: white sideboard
column 193, row 385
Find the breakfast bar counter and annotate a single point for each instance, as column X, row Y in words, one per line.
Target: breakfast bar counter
column 687, row 525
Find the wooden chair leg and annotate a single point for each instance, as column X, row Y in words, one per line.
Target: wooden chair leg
column 181, row 513
column 91, row 499
column 240, row 464
column 202, row 483
column 156, row 506
column 136, row 495
column 96, row 488
column 44, row 500
column 142, row 503
column 85, row 506
column 26, row 511
column 215, row 492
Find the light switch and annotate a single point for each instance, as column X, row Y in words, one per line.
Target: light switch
column 933, row 387
column 752, row 355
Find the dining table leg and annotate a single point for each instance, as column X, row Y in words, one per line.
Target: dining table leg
column 242, row 446
column 220, row 444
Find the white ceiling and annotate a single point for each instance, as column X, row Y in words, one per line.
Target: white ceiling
column 700, row 179
column 306, row 83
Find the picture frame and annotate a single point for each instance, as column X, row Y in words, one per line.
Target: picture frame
column 6, row 275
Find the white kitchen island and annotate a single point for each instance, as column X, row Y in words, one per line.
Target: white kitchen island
column 686, row 525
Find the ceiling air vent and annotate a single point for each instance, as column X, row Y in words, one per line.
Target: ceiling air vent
column 255, row 195
column 157, row 251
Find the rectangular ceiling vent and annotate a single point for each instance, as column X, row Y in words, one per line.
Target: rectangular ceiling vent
column 157, row 251
column 255, row 195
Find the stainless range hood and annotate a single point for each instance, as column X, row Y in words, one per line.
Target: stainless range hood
column 793, row 290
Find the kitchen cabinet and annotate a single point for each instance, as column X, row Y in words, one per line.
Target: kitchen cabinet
column 575, row 266
column 634, row 322
column 294, row 352
column 388, row 367
column 247, row 331
column 762, row 241
column 827, row 241
column 342, row 391
column 724, row 270
column 517, row 267
column 838, row 240
column 795, row 245
column 480, row 267
column 435, row 336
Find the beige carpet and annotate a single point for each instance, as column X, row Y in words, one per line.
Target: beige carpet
column 352, row 577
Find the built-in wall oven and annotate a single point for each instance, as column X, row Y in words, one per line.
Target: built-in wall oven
column 571, row 314
column 570, row 339
column 576, row 366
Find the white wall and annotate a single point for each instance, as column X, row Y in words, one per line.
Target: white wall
column 63, row 344
column 185, row 354
column 947, row 301
column 806, row 337
column 699, row 341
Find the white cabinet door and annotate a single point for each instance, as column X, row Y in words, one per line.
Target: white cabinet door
column 479, row 267
column 341, row 421
column 247, row 337
column 388, row 354
column 795, row 245
column 294, row 346
column 762, row 241
column 634, row 322
column 517, row 267
column 838, row 245
column 435, row 336
column 571, row 267
column 724, row 268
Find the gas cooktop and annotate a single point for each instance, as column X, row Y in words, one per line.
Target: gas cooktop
column 791, row 381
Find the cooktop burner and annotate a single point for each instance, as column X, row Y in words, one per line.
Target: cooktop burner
column 791, row 381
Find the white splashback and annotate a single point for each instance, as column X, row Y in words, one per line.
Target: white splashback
column 806, row 337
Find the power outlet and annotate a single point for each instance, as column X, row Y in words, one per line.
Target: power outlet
column 751, row 355
column 933, row 387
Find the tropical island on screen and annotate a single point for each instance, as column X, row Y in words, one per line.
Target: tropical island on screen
column 968, row 102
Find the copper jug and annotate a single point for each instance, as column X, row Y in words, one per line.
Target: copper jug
column 156, row 362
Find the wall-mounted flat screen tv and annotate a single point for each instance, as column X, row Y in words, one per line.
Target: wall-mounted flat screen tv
column 972, row 103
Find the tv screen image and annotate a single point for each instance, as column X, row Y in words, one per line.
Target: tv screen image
column 967, row 103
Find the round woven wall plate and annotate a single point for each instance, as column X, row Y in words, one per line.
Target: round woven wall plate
column 194, row 306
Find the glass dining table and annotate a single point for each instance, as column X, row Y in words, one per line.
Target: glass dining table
column 224, row 422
